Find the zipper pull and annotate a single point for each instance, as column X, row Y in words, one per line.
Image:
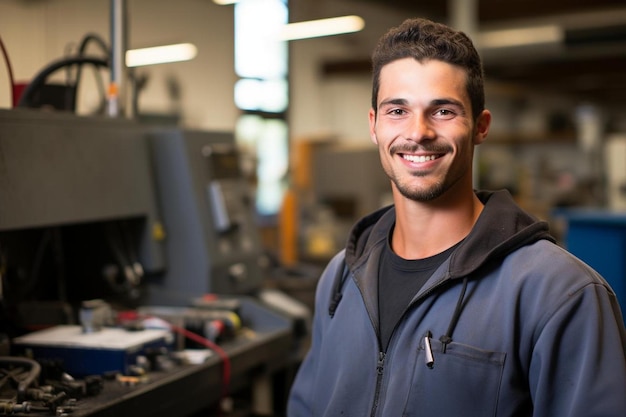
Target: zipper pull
column 428, row 351
column 381, row 362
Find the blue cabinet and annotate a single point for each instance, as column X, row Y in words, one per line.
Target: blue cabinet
column 599, row 239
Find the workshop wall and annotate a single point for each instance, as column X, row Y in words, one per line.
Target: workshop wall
column 200, row 92
column 38, row 33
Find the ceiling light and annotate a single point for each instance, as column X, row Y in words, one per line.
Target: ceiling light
column 505, row 38
column 322, row 27
column 160, row 54
column 314, row 28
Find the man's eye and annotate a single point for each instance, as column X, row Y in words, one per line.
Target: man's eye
column 445, row 113
column 396, row 111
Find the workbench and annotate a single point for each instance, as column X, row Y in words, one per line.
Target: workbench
column 263, row 350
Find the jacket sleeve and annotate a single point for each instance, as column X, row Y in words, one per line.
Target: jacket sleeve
column 301, row 397
column 578, row 367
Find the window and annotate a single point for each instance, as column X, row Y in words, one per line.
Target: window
column 262, row 95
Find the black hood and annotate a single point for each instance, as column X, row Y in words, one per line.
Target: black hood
column 501, row 228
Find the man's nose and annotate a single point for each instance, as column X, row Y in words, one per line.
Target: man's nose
column 420, row 128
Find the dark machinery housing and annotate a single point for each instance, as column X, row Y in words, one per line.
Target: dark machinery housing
column 99, row 212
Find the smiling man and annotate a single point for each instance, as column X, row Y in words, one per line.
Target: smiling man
column 452, row 301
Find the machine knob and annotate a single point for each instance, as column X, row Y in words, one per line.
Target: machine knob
column 238, row 272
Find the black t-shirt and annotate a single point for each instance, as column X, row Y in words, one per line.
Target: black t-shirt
column 399, row 280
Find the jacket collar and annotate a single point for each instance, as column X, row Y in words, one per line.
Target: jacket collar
column 501, row 228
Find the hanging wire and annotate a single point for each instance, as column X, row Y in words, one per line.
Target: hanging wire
column 10, row 70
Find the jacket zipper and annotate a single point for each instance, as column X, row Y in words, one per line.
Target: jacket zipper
column 380, row 365
column 379, row 380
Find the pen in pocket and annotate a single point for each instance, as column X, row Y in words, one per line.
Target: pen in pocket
column 430, row 359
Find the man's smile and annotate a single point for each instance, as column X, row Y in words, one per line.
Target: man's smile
column 420, row 158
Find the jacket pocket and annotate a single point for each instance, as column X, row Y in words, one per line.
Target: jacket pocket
column 462, row 381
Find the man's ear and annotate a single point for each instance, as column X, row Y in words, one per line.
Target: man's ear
column 372, row 120
column 482, row 127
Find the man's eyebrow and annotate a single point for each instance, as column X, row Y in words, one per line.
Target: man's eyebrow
column 446, row 101
column 394, row 102
column 435, row 102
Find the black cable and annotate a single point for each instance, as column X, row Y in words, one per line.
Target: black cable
column 40, row 78
column 31, row 377
column 91, row 37
column 122, row 248
column 9, row 70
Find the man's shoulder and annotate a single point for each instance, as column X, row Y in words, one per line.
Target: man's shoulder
column 545, row 259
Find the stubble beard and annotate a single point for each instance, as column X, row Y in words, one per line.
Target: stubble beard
column 410, row 191
column 421, row 195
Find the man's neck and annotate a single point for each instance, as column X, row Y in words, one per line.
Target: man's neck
column 426, row 229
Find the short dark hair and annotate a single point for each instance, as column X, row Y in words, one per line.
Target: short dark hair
column 422, row 40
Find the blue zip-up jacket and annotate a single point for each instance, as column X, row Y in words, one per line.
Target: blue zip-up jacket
column 510, row 325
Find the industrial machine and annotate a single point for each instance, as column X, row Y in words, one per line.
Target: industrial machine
column 212, row 245
column 107, row 223
column 78, row 213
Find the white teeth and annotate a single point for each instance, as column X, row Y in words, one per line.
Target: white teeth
column 414, row 158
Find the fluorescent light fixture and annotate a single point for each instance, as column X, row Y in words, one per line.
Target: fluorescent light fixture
column 314, row 28
column 321, row 27
column 506, row 38
column 160, row 54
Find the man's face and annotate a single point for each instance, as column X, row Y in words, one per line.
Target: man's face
column 424, row 128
